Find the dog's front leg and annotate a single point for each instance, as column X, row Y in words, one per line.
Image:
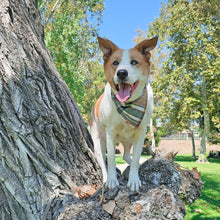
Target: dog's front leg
column 112, row 181
column 134, row 182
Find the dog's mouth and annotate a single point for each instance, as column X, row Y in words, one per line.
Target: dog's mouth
column 125, row 90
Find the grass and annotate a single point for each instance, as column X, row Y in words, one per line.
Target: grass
column 207, row 206
column 119, row 159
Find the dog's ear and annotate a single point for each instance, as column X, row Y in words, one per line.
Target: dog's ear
column 106, row 46
column 147, row 45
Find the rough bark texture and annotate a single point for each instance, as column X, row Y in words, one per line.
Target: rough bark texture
column 47, row 166
column 191, row 186
column 45, row 149
column 158, row 199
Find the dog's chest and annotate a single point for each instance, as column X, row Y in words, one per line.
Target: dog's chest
column 124, row 132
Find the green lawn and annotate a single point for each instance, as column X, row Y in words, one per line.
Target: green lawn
column 207, row 206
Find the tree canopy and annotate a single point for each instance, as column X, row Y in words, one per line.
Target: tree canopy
column 70, row 35
column 186, row 66
column 187, row 78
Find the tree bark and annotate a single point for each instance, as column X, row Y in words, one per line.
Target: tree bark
column 164, row 183
column 206, row 129
column 45, row 149
column 153, row 145
column 193, row 144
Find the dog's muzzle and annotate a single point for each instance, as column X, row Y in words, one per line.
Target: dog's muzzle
column 122, row 74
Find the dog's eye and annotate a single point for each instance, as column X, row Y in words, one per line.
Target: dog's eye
column 134, row 62
column 115, row 63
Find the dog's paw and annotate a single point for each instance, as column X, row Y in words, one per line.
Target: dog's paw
column 112, row 182
column 134, row 184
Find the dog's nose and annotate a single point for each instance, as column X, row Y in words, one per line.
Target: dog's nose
column 122, row 74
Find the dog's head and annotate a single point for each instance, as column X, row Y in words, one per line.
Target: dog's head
column 127, row 71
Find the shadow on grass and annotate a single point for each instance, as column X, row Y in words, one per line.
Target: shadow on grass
column 184, row 158
column 200, row 216
column 209, row 201
column 211, row 190
column 188, row 158
column 209, row 206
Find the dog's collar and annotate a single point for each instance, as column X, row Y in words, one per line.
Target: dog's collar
column 132, row 112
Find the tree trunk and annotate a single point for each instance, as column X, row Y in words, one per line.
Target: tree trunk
column 205, row 131
column 202, row 156
column 190, row 127
column 45, row 149
column 193, row 145
column 153, row 146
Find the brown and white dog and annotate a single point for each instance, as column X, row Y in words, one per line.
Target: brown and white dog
column 122, row 112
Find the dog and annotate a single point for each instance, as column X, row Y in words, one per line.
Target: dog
column 123, row 111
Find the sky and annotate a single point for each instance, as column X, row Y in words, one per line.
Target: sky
column 121, row 19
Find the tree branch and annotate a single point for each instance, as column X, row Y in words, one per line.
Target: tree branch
column 58, row 4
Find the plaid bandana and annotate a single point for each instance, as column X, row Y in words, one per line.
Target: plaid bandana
column 132, row 112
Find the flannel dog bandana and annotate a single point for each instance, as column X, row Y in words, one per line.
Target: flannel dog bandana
column 132, row 112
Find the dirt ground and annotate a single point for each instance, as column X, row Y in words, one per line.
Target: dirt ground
column 180, row 146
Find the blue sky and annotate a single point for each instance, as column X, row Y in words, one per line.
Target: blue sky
column 121, row 18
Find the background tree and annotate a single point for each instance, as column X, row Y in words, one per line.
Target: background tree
column 70, row 35
column 187, row 85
